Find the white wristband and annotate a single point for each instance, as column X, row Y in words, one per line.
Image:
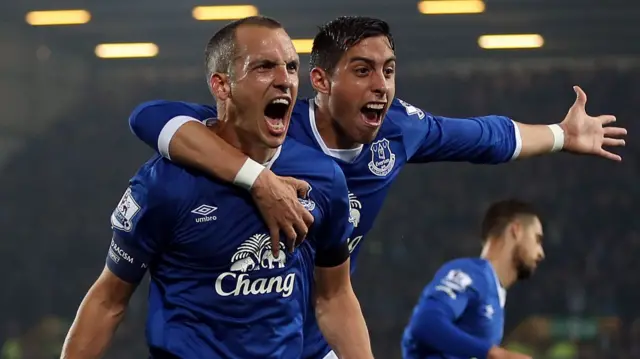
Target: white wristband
column 558, row 137
column 248, row 174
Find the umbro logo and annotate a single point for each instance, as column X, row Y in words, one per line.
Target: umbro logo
column 204, row 211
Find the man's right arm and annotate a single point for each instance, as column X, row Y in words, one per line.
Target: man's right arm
column 100, row 312
column 433, row 322
column 176, row 131
column 141, row 224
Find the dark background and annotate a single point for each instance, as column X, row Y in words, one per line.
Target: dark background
column 66, row 154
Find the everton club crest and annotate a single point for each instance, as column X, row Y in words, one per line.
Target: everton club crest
column 382, row 159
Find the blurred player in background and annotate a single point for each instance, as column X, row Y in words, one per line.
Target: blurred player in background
column 217, row 290
column 460, row 314
column 356, row 120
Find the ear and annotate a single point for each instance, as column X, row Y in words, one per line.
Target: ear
column 320, row 80
column 515, row 230
column 219, row 85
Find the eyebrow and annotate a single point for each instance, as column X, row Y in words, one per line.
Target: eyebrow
column 261, row 62
column 293, row 61
column 271, row 62
column 369, row 61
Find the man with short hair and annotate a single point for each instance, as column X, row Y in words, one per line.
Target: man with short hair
column 460, row 313
column 356, row 120
column 219, row 288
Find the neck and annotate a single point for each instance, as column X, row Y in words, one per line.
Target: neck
column 242, row 140
column 495, row 252
column 332, row 135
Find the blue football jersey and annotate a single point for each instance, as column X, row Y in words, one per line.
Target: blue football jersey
column 408, row 135
column 468, row 292
column 216, row 290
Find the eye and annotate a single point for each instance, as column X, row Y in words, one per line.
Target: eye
column 265, row 66
column 389, row 71
column 292, row 67
column 362, row 71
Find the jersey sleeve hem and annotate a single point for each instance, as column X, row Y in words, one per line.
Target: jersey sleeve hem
column 518, row 138
column 338, row 254
column 169, row 130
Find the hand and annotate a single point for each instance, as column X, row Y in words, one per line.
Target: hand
column 277, row 200
column 587, row 135
column 499, row 353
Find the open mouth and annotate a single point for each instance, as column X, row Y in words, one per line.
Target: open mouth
column 372, row 113
column 274, row 114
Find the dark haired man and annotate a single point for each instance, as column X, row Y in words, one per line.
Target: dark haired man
column 217, row 288
column 356, row 119
column 460, row 313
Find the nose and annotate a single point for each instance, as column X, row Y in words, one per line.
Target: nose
column 541, row 255
column 379, row 83
column 283, row 79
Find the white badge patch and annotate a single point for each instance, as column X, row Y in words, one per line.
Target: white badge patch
column 382, row 159
column 412, row 110
column 122, row 216
column 455, row 282
column 307, row 202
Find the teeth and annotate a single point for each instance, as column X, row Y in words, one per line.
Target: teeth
column 283, row 101
column 276, row 125
column 375, row 106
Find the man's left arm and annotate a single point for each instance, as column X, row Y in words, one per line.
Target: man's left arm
column 337, row 309
column 339, row 314
column 498, row 139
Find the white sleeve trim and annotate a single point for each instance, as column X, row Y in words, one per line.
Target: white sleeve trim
column 516, row 133
column 169, row 130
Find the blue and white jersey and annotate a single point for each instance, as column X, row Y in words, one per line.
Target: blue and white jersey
column 217, row 290
column 464, row 299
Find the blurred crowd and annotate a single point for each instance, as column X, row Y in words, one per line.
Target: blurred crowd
column 59, row 189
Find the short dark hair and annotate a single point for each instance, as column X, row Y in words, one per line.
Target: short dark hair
column 221, row 48
column 337, row 36
column 501, row 214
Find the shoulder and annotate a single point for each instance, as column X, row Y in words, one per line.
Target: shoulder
column 301, row 109
column 307, row 158
column 163, row 181
column 309, row 164
column 462, row 273
column 401, row 110
column 404, row 119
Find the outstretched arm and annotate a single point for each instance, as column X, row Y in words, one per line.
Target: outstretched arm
column 498, row 139
column 578, row 133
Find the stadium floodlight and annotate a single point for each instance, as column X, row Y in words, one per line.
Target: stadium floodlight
column 58, row 17
column 439, row 7
column 511, row 41
column 303, row 46
column 126, row 50
column 223, row 12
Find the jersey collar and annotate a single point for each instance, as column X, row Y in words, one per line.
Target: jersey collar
column 273, row 159
column 347, row 155
column 502, row 293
